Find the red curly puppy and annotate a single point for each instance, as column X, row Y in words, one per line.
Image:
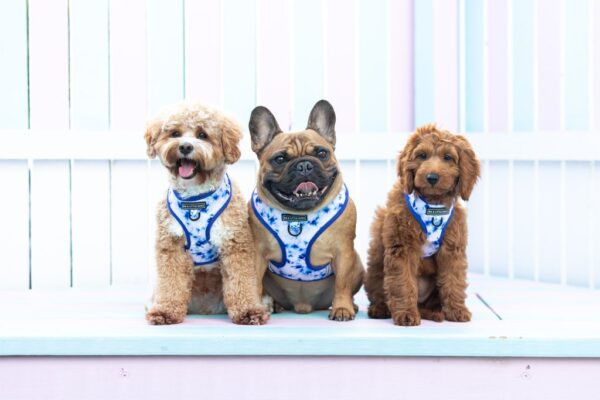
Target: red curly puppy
column 417, row 263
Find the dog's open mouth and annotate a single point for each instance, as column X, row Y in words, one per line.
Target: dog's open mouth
column 187, row 168
column 304, row 191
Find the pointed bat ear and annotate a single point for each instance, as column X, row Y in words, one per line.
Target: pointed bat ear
column 263, row 128
column 322, row 120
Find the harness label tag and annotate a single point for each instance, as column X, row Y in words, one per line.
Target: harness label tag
column 294, row 218
column 193, row 205
column 437, row 211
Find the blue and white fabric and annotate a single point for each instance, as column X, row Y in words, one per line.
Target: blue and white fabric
column 296, row 234
column 433, row 218
column 196, row 215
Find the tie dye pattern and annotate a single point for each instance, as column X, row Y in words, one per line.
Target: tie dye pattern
column 433, row 218
column 196, row 215
column 296, row 233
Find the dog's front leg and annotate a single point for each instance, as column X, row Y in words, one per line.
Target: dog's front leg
column 452, row 282
column 348, row 274
column 240, row 282
column 400, row 285
column 174, row 283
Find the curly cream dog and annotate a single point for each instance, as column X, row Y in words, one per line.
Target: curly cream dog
column 204, row 246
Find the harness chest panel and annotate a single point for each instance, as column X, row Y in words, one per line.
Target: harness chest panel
column 196, row 216
column 296, row 234
column 433, row 218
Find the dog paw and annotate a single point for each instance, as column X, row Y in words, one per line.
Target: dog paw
column 407, row 318
column 459, row 314
column 379, row 311
column 163, row 317
column 341, row 314
column 253, row 316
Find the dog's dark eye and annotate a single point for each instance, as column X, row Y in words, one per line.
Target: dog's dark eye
column 447, row 157
column 422, row 156
column 322, row 154
column 202, row 135
column 175, row 134
column 279, row 160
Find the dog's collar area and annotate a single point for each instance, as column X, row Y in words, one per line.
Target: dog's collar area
column 433, row 219
column 224, row 183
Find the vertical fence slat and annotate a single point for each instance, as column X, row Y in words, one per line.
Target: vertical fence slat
column 524, row 206
column 596, row 64
column 89, row 71
column 14, row 237
column 424, row 104
column 373, row 65
column 91, row 223
column 445, row 26
column 340, row 66
column 48, row 64
column 307, row 59
column 88, row 45
column 548, row 38
column 474, row 65
column 498, row 176
column 548, row 209
column 576, row 65
column 203, row 67
column 13, row 73
column 50, row 227
column 128, row 64
column 165, row 53
column 497, row 75
column 239, row 57
column 129, row 205
column 244, row 174
column 523, row 79
column 273, row 60
column 401, row 26
column 595, row 272
column 579, row 205
column 476, row 224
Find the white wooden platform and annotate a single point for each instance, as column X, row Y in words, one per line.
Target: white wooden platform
column 538, row 320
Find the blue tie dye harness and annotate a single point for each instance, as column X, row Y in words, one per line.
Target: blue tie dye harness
column 296, row 234
column 433, row 218
column 196, row 215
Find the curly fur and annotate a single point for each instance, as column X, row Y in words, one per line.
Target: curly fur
column 232, row 284
column 399, row 282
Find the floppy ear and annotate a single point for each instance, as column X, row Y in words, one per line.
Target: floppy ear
column 469, row 167
column 322, row 120
column 407, row 179
column 263, row 127
column 152, row 130
column 231, row 133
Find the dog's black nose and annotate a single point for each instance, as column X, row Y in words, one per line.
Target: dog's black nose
column 185, row 148
column 433, row 179
column 304, row 167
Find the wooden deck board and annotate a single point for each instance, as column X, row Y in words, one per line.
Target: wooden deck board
column 539, row 320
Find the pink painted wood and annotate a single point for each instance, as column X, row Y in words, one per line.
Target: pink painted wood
column 549, row 65
column 273, row 63
column 302, row 377
column 401, row 66
column 203, row 51
column 497, row 78
column 340, row 66
column 446, row 65
column 128, row 64
column 49, row 64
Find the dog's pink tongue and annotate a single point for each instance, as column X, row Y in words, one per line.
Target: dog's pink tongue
column 186, row 169
column 306, row 188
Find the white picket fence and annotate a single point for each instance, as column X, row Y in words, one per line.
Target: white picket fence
column 79, row 78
